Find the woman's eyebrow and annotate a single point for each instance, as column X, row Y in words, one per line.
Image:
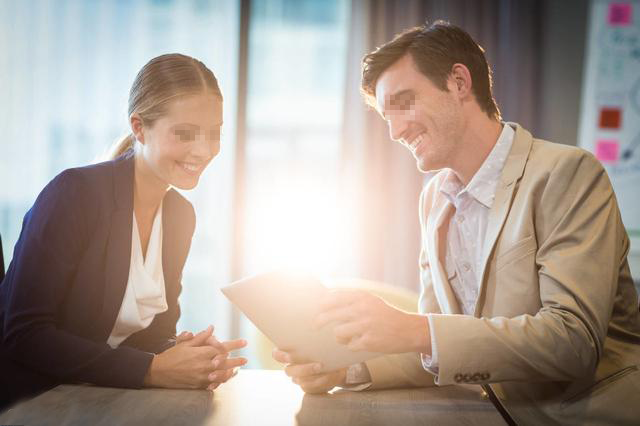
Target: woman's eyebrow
column 215, row 126
column 186, row 125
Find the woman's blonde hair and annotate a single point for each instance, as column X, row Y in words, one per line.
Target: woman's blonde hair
column 161, row 80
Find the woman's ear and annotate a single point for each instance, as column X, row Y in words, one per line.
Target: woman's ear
column 137, row 127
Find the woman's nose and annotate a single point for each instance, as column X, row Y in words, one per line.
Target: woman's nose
column 203, row 148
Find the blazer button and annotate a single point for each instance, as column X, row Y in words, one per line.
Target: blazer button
column 485, row 376
column 466, row 378
column 458, row 378
column 476, row 377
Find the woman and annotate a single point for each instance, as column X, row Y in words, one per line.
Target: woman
column 91, row 294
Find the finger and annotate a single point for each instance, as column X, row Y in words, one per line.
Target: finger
column 316, row 384
column 200, row 338
column 281, row 356
column 358, row 343
column 231, row 363
column 287, row 357
column 336, row 315
column 339, row 299
column 303, row 370
column 345, row 333
column 215, row 343
column 218, row 360
column 222, row 376
column 184, row 336
column 232, row 345
column 219, row 376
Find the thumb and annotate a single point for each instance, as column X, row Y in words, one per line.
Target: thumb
column 200, row 338
column 184, row 336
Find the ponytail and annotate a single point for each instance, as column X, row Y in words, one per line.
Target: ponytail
column 121, row 146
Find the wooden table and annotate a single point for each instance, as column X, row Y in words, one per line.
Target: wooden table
column 254, row 397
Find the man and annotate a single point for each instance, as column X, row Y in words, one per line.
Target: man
column 526, row 288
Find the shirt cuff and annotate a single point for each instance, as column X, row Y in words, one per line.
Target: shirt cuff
column 430, row 362
column 358, row 377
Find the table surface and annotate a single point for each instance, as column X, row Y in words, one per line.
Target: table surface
column 254, row 397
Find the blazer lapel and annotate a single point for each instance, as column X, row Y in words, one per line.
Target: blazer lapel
column 513, row 170
column 169, row 238
column 436, row 235
column 177, row 229
column 118, row 256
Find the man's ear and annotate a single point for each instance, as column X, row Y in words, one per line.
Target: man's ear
column 460, row 81
column 137, row 127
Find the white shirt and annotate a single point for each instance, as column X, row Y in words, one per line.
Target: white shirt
column 468, row 227
column 144, row 296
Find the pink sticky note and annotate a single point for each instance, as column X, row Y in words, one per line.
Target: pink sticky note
column 607, row 151
column 620, row 14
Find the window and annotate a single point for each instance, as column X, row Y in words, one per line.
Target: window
column 295, row 216
column 66, row 69
column 294, row 209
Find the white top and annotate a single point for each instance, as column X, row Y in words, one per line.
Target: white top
column 468, row 227
column 145, row 296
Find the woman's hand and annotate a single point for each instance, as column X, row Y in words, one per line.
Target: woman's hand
column 308, row 376
column 187, row 365
column 225, row 367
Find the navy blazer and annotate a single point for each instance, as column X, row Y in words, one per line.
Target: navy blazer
column 65, row 284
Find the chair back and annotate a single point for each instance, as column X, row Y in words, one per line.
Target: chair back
column 1, row 261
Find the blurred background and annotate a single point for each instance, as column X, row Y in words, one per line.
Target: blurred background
column 307, row 177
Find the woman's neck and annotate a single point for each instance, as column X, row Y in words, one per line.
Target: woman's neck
column 148, row 190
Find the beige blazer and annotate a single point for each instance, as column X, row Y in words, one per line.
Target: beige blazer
column 556, row 330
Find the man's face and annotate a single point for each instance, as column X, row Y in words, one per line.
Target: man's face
column 425, row 119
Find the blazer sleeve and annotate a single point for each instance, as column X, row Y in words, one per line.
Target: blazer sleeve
column 582, row 246
column 46, row 257
column 398, row 371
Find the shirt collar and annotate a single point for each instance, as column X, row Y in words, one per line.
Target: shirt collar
column 483, row 184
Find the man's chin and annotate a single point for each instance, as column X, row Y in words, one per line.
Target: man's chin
column 424, row 166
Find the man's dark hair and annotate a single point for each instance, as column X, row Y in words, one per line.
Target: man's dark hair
column 434, row 49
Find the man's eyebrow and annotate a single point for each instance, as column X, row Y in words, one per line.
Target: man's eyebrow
column 407, row 93
column 391, row 99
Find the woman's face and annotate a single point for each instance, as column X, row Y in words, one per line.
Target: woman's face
column 177, row 147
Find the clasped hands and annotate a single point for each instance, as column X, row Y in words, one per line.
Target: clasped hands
column 362, row 322
column 196, row 362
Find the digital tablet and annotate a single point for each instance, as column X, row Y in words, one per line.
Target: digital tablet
column 283, row 307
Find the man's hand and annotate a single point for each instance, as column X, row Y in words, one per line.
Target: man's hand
column 365, row 322
column 307, row 375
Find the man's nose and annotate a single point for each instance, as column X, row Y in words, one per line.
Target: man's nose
column 397, row 128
